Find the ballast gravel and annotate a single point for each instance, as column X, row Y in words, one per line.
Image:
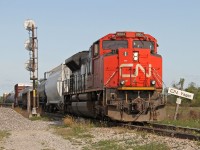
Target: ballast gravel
column 38, row 135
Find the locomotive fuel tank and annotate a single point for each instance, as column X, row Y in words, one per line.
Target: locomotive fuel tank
column 83, row 109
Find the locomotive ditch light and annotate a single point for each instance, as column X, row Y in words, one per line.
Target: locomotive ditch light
column 153, row 82
column 122, row 82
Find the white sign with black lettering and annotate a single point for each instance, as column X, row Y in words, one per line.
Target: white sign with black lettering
column 180, row 93
column 178, row 101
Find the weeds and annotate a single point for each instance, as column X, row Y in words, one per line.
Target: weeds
column 104, row 145
column 185, row 123
column 4, row 134
column 152, row 146
column 73, row 129
column 130, row 144
column 35, row 118
column 187, row 117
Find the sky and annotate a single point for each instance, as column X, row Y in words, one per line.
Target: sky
column 66, row 27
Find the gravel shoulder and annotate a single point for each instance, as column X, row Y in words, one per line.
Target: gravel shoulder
column 40, row 135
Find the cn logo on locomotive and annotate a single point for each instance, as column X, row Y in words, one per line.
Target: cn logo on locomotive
column 137, row 67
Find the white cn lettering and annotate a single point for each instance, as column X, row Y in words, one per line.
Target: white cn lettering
column 137, row 67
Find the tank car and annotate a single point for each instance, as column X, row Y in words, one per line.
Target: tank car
column 51, row 88
column 119, row 78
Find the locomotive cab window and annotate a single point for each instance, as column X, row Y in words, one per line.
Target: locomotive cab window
column 89, row 70
column 96, row 49
column 113, row 45
column 144, row 44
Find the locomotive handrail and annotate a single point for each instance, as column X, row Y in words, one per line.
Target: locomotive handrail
column 157, row 76
column 73, row 84
column 111, row 77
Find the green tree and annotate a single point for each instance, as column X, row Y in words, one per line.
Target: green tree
column 1, row 99
column 192, row 88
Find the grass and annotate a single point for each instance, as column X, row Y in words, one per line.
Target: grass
column 35, row 118
column 74, row 130
column 187, row 117
column 152, row 146
column 4, row 134
column 185, row 123
column 104, row 145
column 130, row 144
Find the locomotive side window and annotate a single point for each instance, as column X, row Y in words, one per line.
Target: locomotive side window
column 115, row 44
column 90, row 62
column 96, row 49
column 143, row 44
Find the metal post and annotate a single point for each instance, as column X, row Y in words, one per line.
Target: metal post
column 32, row 65
column 178, row 102
column 33, row 70
column 28, row 102
column 176, row 111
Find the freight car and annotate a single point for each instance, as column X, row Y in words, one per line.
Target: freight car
column 19, row 91
column 119, row 78
column 51, row 88
column 16, row 96
column 9, row 98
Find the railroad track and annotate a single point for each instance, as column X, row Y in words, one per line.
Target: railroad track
column 10, row 105
column 160, row 129
column 168, row 130
column 54, row 116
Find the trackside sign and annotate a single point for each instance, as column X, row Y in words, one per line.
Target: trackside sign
column 180, row 93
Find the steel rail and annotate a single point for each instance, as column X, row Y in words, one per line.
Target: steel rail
column 175, row 128
column 164, row 132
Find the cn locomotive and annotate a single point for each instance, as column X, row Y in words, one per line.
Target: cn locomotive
column 118, row 78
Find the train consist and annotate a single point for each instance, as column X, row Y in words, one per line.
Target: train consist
column 118, row 78
column 19, row 95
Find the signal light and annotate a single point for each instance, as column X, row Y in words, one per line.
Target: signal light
column 29, row 24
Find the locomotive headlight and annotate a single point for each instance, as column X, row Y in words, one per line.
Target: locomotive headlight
column 122, row 82
column 153, row 82
column 135, row 56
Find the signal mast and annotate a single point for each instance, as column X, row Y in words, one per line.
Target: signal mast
column 31, row 65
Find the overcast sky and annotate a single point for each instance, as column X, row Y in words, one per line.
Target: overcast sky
column 66, row 27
